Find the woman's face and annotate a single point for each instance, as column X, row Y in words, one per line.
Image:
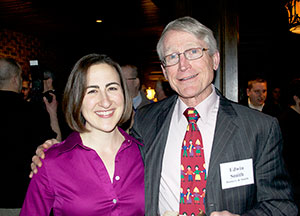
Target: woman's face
column 103, row 102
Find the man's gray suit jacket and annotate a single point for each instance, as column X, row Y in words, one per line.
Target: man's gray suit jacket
column 240, row 133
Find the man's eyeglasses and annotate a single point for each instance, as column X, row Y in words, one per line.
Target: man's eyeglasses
column 133, row 78
column 189, row 54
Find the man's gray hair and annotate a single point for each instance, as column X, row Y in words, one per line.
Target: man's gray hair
column 8, row 69
column 190, row 25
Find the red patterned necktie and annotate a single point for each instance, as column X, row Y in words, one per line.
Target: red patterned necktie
column 193, row 172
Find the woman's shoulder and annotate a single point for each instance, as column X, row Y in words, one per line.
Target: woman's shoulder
column 62, row 147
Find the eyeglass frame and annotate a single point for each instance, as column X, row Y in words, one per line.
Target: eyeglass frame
column 184, row 53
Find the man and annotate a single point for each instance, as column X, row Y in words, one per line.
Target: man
column 21, row 132
column 139, row 99
column 60, row 127
column 26, row 87
column 257, row 94
column 289, row 123
column 244, row 173
column 189, row 56
column 130, row 73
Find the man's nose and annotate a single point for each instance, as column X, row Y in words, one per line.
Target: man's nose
column 184, row 63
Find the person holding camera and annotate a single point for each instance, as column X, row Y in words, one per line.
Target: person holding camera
column 21, row 132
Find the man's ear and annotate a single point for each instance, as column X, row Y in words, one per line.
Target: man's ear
column 16, row 83
column 138, row 81
column 164, row 72
column 216, row 60
column 248, row 91
column 15, row 80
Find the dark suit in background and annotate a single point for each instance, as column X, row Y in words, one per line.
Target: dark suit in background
column 21, row 132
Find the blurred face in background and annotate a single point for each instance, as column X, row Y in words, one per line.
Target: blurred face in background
column 258, row 93
column 276, row 94
column 25, row 88
column 132, row 80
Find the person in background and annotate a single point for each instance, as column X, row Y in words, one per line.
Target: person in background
column 256, row 94
column 21, row 133
column 273, row 105
column 131, row 75
column 139, row 99
column 26, row 87
column 48, row 79
column 60, row 126
column 289, row 123
column 243, row 172
column 98, row 169
column 163, row 90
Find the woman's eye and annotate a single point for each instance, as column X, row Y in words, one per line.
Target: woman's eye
column 92, row 91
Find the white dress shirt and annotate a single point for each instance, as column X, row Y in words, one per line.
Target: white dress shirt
column 260, row 108
column 169, row 193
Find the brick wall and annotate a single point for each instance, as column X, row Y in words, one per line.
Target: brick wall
column 23, row 47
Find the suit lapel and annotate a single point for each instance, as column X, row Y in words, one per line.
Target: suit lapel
column 155, row 152
column 225, row 127
column 154, row 155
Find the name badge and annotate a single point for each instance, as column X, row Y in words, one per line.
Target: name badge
column 237, row 173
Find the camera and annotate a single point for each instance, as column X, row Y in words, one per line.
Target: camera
column 37, row 82
column 48, row 95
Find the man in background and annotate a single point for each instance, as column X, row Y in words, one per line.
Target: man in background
column 139, row 99
column 256, row 94
column 21, row 133
column 26, row 87
column 289, row 123
column 131, row 75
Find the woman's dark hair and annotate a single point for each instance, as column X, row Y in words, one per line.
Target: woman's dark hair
column 76, row 87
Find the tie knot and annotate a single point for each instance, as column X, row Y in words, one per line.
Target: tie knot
column 191, row 115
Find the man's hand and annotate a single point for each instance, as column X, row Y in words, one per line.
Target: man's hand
column 222, row 213
column 36, row 159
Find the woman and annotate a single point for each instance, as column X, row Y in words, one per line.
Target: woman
column 98, row 169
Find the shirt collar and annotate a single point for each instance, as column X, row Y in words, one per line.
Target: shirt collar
column 74, row 140
column 204, row 108
column 255, row 107
column 137, row 100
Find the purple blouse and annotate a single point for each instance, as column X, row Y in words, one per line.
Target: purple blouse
column 74, row 181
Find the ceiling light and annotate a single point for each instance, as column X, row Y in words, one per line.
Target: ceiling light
column 293, row 8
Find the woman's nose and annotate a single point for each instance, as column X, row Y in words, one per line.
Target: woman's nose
column 104, row 100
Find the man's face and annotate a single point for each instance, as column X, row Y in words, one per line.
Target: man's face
column 191, row 79
column 258, row 93
column 133, row 82
column 276, row 94
column 25, row 88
